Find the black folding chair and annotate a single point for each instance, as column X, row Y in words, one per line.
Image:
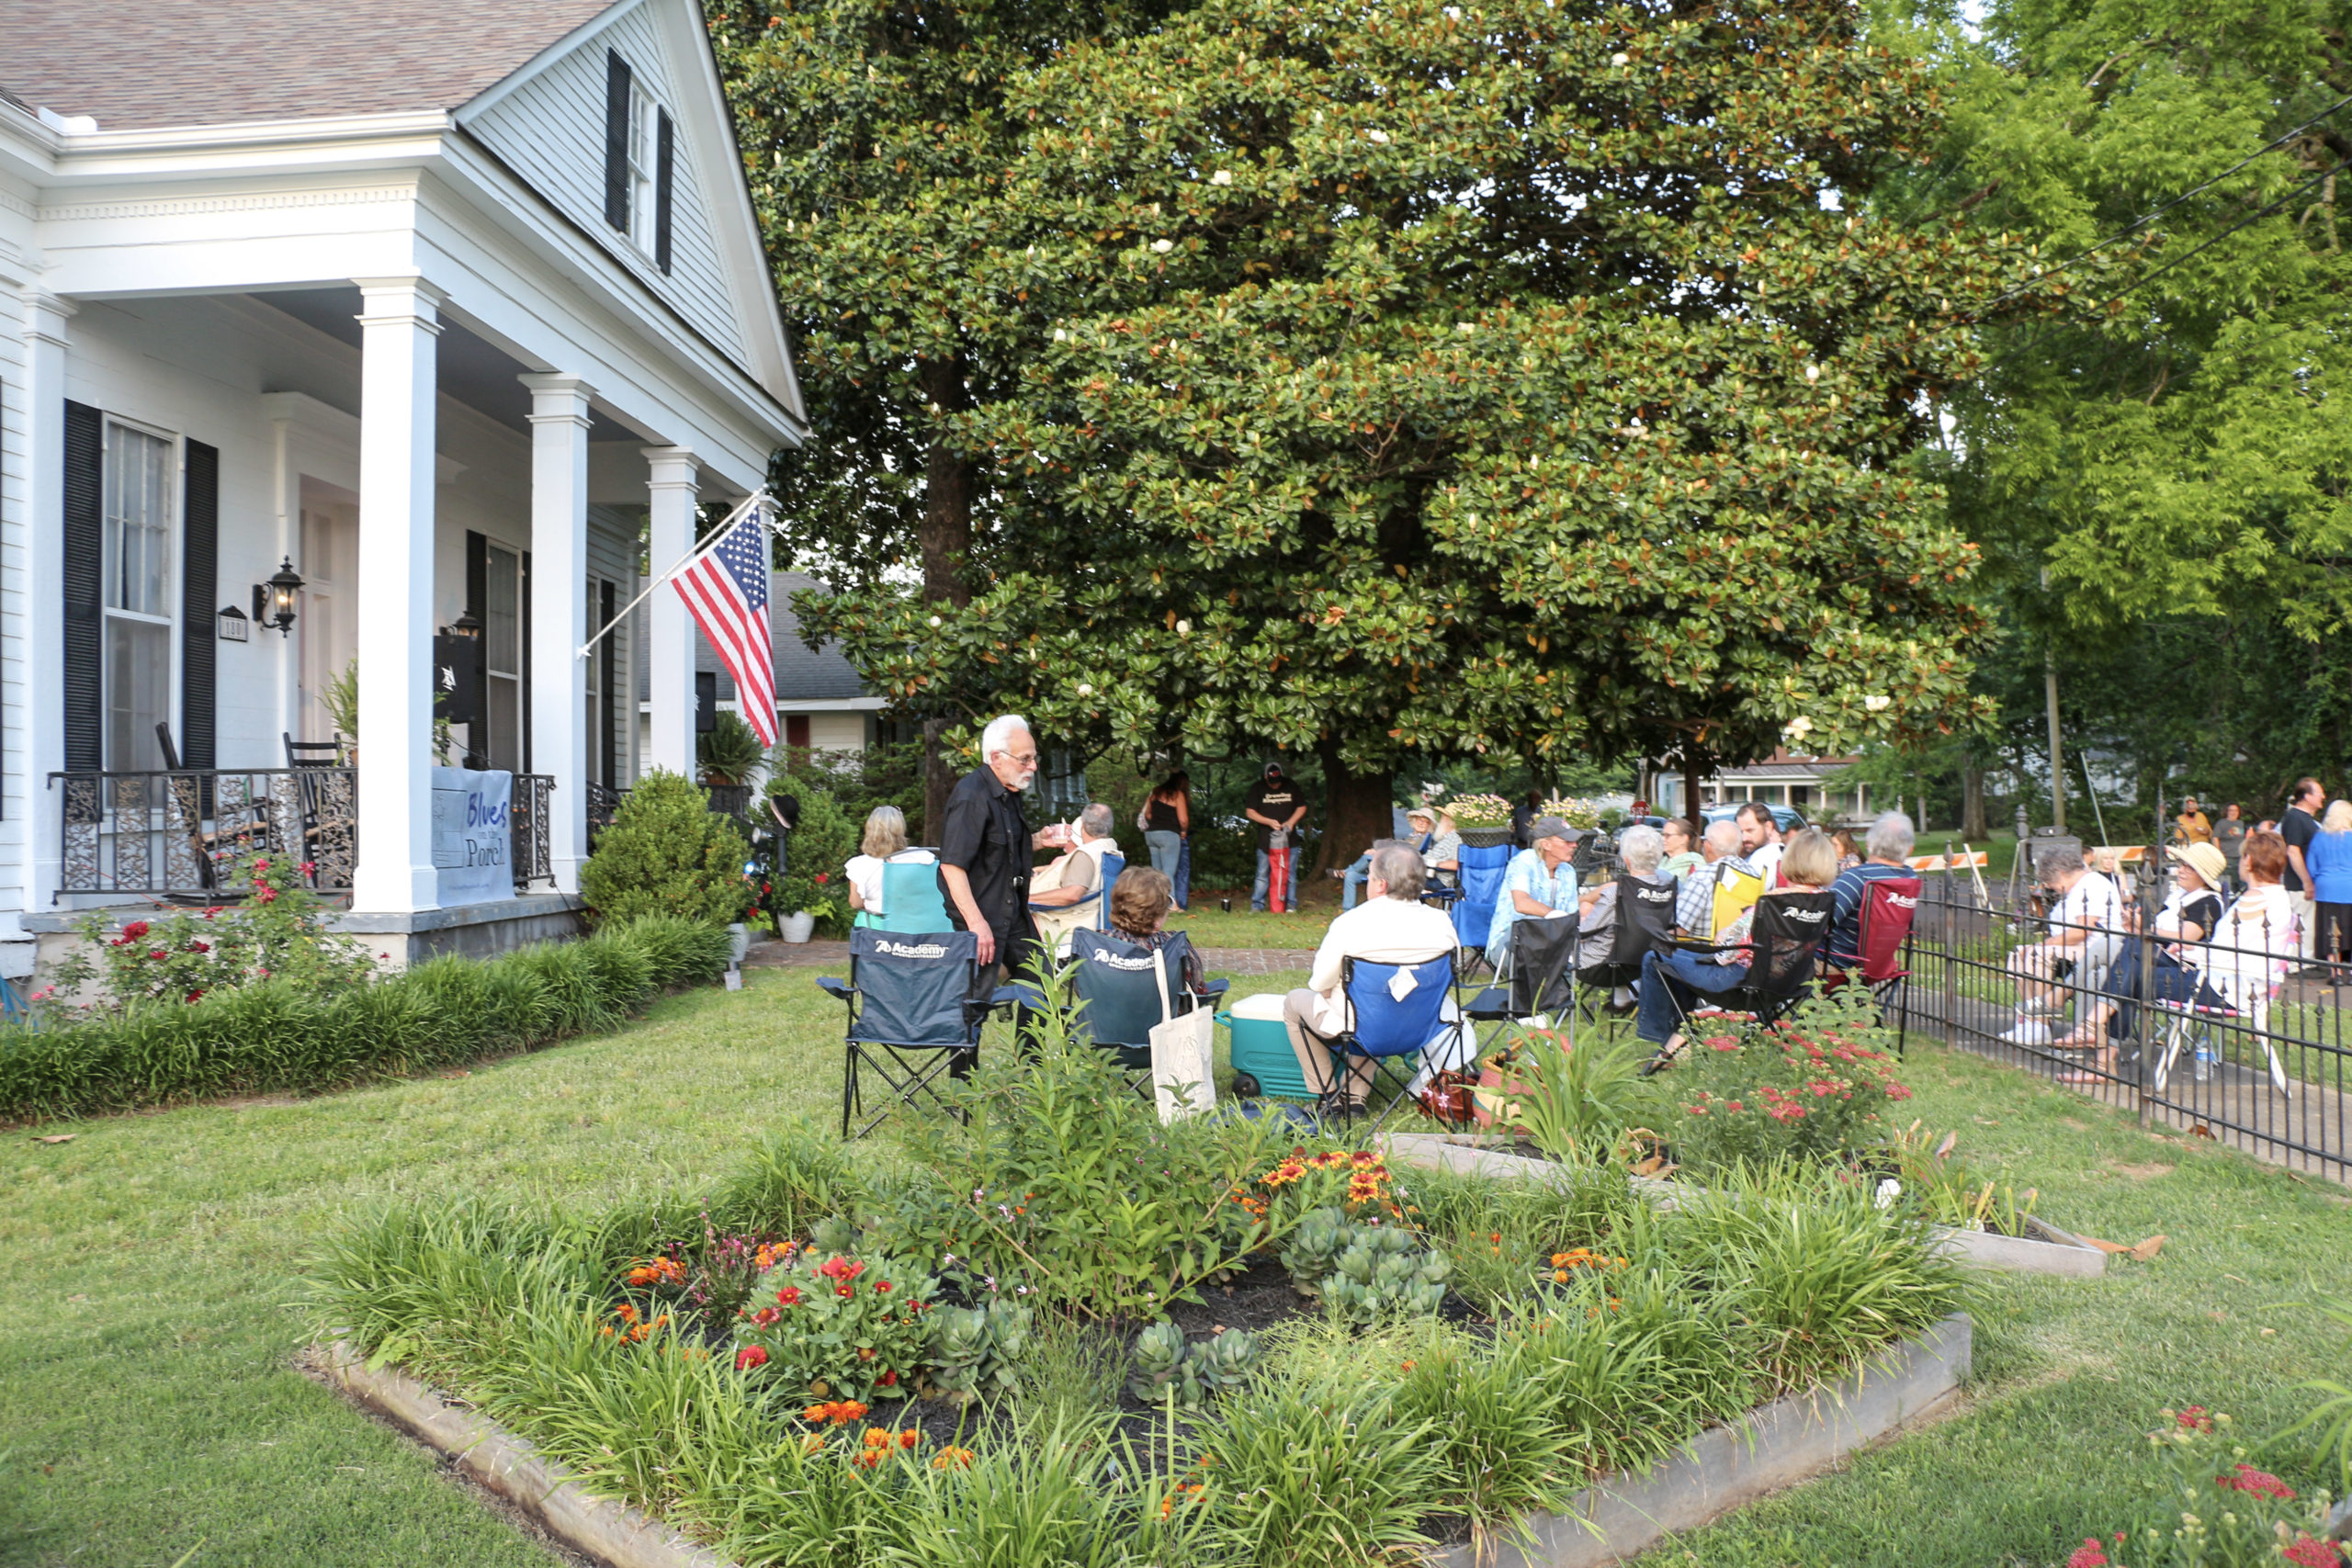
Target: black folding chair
column 911, row 1015
column 1645, row 924
column 1784, row 939
column 1120, row 1000
column 1540, row 978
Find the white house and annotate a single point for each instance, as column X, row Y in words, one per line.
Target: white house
column 435, row 305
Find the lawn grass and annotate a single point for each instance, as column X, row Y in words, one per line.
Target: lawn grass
column 149, row 1403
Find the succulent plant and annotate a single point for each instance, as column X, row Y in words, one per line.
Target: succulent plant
column 1315, row 1247
column 976, row 1350
column 1364, row 1272
column 834, row 1235
column 1227, row 1361
column 1195, row 1375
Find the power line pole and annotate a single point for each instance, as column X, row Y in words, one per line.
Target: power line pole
column 2050, row 694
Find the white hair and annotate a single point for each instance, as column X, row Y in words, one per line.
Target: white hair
column 1724, row 837
column 1891, row 837
column 1640, row 847
column 1096, row 820
column 997, row 735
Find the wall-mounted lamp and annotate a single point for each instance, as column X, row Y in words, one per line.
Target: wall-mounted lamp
column 465, row 626
column 274, row 600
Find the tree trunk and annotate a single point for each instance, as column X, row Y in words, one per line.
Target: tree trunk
column 945, row 539
column 1357, row 813
column 1972, row 826
column 1693, row 770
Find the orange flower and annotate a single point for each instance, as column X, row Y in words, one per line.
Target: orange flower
column 816, row 1413
column 1559, row 1275
column 876, row 1437
column 848, row 1410
column 813, row 1443
column 867, row 1459
column 909, row 1438
column 625, row 1312
column 952, row 1458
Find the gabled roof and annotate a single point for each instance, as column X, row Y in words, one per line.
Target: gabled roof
column 801, row 676
column 135, row 64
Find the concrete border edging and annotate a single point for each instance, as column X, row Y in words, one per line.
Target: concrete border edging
column 608, row 1531
column 1724, row 1468
column 2048, row 1250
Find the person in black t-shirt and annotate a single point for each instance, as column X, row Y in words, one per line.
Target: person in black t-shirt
column 2298, row 827
column 985, row 847
column 1275, row 805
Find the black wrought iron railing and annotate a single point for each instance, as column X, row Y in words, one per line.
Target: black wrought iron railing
column 182, row 833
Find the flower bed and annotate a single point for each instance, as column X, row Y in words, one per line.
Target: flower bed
column 1123, row 1342
column 275, row 1033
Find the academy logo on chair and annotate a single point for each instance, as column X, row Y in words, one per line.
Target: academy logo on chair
column 906, row 950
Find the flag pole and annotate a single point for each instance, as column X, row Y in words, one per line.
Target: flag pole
column 726, row 526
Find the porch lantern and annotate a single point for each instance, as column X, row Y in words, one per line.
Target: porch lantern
column 274, row 601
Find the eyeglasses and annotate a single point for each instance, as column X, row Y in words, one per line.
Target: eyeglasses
column 1023, row 756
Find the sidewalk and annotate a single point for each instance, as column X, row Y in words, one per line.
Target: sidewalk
column 773, row 955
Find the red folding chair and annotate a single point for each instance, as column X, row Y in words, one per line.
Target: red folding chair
column 1889, row 906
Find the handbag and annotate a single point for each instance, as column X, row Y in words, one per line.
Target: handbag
column 1184, row 1054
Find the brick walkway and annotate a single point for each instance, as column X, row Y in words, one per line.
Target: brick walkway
column 773, row 954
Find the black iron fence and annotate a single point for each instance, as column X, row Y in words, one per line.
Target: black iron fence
column 2226, row 1033
column 180, row 834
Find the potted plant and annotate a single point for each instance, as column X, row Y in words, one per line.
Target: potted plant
column 1575, row 812
column 730, row 752
column 1482, row 819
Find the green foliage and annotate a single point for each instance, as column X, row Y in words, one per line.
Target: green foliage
column 1501, row 1234
column 1322, row 1472
column 1385, row 412
column 979, row 1350
column 1364, row 1272
column 1167, row 1370
column 667, row 853
column 1809, row 1087
column 2211, row 1507
column 2330, row 1421
column 1573, row 1097
column 820, row 846
column 277, row 1035
column 729, row 752
column 831, row 1327
column 279, row 932
column 792, row 1179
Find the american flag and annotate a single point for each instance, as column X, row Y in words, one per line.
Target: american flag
column 727, row 589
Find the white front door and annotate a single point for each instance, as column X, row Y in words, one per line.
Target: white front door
column 329, row 622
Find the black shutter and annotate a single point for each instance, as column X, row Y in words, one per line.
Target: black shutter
column 608, row 650
column 478, row 607
column 661, row 196
column 706, row 701
column 84, row 570
column 617, row 84
column 199, row 579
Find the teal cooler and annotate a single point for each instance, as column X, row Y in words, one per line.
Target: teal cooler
column 1262, row 1061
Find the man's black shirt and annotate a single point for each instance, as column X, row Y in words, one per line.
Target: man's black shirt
column 1277, row 798
column 985, row 834
column 2298, row 827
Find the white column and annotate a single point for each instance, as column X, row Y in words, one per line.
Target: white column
column 397, row 385
column 40, row 702
column 670, row 535
column 560, row 611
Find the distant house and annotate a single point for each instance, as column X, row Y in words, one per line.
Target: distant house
column 437, row 307
column 820, row 700
column 1785, row 778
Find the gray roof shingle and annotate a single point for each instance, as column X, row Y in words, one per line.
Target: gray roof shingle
column 140, row 66
column 800, row 676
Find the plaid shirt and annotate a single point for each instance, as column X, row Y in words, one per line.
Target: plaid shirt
column 1694, row 911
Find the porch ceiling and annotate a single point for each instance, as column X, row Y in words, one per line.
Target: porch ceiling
column 474, row 371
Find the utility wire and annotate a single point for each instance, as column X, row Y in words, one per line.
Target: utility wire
column 2147, row 277
column 2139, row 223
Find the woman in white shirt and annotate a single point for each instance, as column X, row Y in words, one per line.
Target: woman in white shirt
column 885, row 844
column 2255, row 943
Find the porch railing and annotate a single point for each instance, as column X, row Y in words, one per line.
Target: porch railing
column 179, row 834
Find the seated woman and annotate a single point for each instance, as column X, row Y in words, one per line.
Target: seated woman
column 1429, row 833
column 1140, row 900
column 2188, row 917
column 1641, row 849
column 884, row 843
column 1674, row 982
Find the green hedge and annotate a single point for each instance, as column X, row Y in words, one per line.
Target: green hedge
column 275, row 1039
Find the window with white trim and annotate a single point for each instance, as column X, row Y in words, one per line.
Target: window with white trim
column 644, row 171
column 141, row 483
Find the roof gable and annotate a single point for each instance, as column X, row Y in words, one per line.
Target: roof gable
column 133, row 65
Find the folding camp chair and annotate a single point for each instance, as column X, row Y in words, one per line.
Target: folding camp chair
column 1783, row 941
column 2217, row 999
column 1735, row 893
column 1120, row 1000
column 1543, row 957
column 1096, row 905
column 1384, row 1026
column 911, row 1014
column 911, row 900
column 1890, row 903
column 1645, row 925
column 1484, row 867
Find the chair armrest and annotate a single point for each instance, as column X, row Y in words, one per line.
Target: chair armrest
column 1005, row 997
column 1214, row 988
column 831, row 986
column 1022, row 995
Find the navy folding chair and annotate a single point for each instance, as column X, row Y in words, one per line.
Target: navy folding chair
column 1645, row 924
column 1483, row 869
column 1121, row 1000
column 1784, row 941
column 1542, row 957
column 911, row 1015
column 1387, row 1029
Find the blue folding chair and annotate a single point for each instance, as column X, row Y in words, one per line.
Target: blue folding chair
column 911, row 900
column 1120, row 1000
column 1387, row 1029
column 1483, row 869
column 911, row 1015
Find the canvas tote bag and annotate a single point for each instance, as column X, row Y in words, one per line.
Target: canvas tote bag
column 1183, row 1071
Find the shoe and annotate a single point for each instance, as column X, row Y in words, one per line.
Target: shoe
column 1625, row 1008
column 2029, row 1032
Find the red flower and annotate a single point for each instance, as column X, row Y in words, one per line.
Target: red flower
column 841, row 1269
column 199, row 947
column 883, row 1285
column 134, row 931
column 1723, row 1042
column 2090, row 1554
column 310, row 868
column 749, row 1357
column 2261, row 1482
column 889, row 1379
column 844, row 1292
column 822, row 879
column 197, row 992
column 157, row 954
column 788, row 1296
column 765, row 1317
column 2305, row 1552
column 2194, row 1420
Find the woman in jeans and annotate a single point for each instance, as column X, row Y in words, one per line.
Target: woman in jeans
column 2229, row 837
column 1167, row 822
column 1675, row 981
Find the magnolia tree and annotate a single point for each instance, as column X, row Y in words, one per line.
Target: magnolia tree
column 1499, row 382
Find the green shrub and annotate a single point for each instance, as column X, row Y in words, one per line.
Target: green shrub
column 668, row 853
column 796, row 1177
column 1320, row 1472
column 728, row 753
column 820, row 846
column 279, row 1036
column 1814, row 1086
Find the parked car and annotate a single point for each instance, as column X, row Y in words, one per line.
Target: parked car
column 1788, row 818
